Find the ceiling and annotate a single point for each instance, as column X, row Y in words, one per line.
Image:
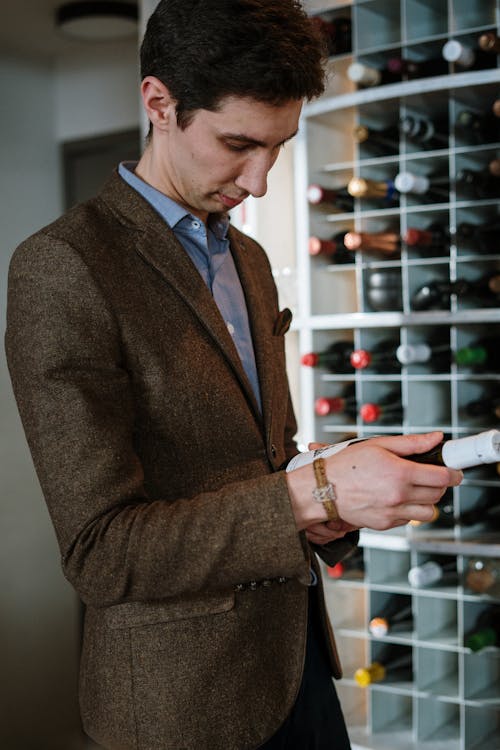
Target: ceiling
column 28, row 29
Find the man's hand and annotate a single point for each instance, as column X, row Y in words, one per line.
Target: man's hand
column 375, row 486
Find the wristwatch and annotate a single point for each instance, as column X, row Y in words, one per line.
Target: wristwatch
column 324, row 491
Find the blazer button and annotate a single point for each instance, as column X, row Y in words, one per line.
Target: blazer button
column 273, row 451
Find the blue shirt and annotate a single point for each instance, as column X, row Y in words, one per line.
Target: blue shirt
column 208, row 248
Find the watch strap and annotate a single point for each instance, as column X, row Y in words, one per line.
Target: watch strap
column 324, row 492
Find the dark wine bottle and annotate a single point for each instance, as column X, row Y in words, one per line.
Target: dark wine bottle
column 383, row 289
column 467, row 58
column 336, row 358
column 486, row 630
column 435, row 295
column 336, row 33
column 334, row 248
column 366, row 76
column 480, row 184
column 411, row 69
column 395, row 616
column 384, row 140
column 381, row 356
column 424, row 132
column 435, row 237
column 444, row 514
column 485, row 511
column 388, row 410
column 483, row 354
column 393, row 664
column 351, row 567
column 338, row 197
column 483, row 576
column 436, row 354
column 432, row 572
column 345, row 404
column 477, row 127
column 387, row 243
column 483, row 236
column 460, row 453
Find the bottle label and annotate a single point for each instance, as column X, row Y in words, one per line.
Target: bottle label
column 302, row 459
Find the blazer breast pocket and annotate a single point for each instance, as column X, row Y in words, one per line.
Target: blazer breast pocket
column 282, row 322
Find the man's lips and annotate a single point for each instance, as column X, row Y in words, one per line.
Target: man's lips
column 231, row 202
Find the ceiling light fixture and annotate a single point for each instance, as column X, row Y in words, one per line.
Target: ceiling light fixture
column 98, row 20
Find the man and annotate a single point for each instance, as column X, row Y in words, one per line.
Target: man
column 146, row 351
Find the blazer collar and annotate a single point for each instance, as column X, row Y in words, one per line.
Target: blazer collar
column 156, row 243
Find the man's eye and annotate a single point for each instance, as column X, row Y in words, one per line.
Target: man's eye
column 237, row 146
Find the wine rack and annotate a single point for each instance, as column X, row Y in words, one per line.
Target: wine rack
column 452, row 701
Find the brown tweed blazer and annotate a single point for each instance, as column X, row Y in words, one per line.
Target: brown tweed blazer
column 161, row 477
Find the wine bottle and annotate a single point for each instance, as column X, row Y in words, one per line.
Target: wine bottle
column 486, row 630
column 483, row 576
column 351, row 567
column 484, row 236
column 366, row 76
column 334, row 248
column 432, row 572
column 495, row 107
column 394, row 664
column 383, row 289
column 424, row 132
column 345, row 404
column 435, row 237
column 338, row 197
column 487, row 406
column 489, row 42
column 467, row 58
column 411, row 69
column 395, row 616
column 435, row 295
column 480, row 184
column 336, row 358
column 477, row 127
column 381, row 356
column 437, row 354
column 385, row 140
column 360, row 187
column 461, row 453
column 434, row 188
column 387, row 243
column 483, row 354
column 444, row 514
column 388, row 409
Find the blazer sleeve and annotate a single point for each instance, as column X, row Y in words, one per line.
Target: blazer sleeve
column 75, row 399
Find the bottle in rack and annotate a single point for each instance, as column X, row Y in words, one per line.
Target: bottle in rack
column 481, row 184
column 388, row 410
column 432, row 572
column 366, row 76
column 483, row 354
column 483, row 576
column 436, row 237
column 435, row 295
column 489, row 42
column 486, row 407
column 444, row 514
column 383, row 289
column 484, row 236
column 411, row 69
column 434, row 188
column 381, row 357
column 478, row 127
column 338, row 198
column 336, row 33
column 436, row 354
column 394, row 664
column 351, row 567
column 424, row 132
column 333, row 248
column 468, row 58
column 485, row 511
column 380, row 190
column 345, row 404
column 386, row 243
column 383, row 140
column 486, row 630
column 336, row 358
column 396, row 616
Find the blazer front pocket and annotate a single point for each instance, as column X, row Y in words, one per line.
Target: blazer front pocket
column 137, row 614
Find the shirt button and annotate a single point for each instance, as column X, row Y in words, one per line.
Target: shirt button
column 273, row 450
column 195, row 224
column 230, row 328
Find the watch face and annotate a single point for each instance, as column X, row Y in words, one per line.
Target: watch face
column 326, row 492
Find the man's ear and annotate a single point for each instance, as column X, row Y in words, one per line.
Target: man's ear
column 158, row 104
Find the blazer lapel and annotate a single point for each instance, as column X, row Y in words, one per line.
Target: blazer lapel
column 158, row 246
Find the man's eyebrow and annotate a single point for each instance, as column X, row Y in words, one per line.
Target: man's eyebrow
column 242, row 138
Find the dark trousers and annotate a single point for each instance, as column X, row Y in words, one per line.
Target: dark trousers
column 316, row 721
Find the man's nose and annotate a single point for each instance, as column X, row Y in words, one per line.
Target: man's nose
column 253, row 176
